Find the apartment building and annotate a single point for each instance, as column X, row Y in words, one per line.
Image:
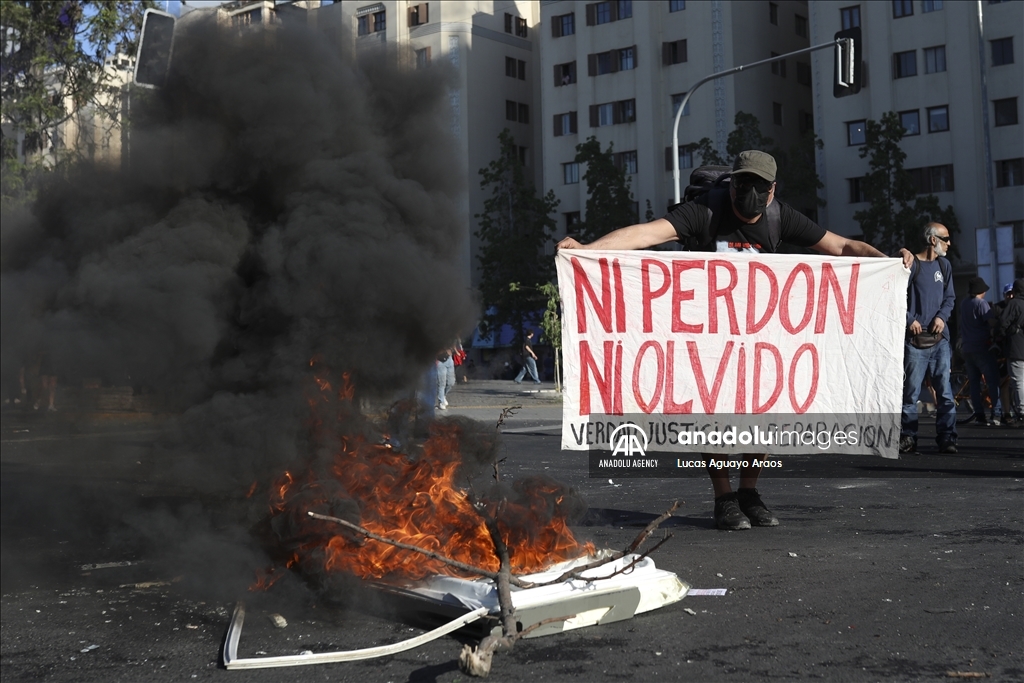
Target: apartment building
column 493, row 46
column 618, row 70
column 954, row 73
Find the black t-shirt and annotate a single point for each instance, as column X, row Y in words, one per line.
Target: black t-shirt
column 692, row 219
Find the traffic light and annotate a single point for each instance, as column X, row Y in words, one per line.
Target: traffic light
column 849, row 63
column 155, row 44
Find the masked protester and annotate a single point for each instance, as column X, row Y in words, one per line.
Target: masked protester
column 741, row 215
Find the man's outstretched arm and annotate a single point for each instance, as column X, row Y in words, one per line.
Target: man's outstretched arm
column 640, row 236
column 837, row 245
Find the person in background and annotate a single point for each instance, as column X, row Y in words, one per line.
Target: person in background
column 976, row 322
column 445, row 376
column 1011, row 326
column 529, row 361
column 926, row 349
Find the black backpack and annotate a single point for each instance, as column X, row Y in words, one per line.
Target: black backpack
column 709, row 187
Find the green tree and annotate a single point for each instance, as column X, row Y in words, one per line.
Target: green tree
column 897, row 214
column 746, row 135
column 798, row 179
column 551, row 325
column 54, row 58
column 513, row 229
column 708, row 154
column 609, row 202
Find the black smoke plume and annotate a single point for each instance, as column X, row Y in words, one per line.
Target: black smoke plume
column 278, row 203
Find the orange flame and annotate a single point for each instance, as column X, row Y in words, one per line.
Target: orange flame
column 414, row 500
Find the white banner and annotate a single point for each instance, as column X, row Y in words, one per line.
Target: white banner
column 719, row 353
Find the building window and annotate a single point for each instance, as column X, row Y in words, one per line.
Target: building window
column 627, row 58
column 612, row 113
column 521, row 153
column 905, row 64
column 674, row 52
column 850, row 17
column 563, row 25
column 515, row 68
column 902, row 8
column 855, row 133
column 524, row 113
column 934, row 59
column 611, row 61
column 931, row 5
column 685, row 157
column 565, row 74
column 938, row 119
column 565, row 124
column 773, row 13
column 571, row 218
column 571, row 173
column 1009, row 172
column 371, row 23
column 625, row 161
column 1018, row 233
column 1002, row 51
column 625, row 8
column 676, row 5
column 805, row 121
column 803, row 73
column 779, row 67
column 508, row 22
column 911, row 122
column 418, row 15
column 423, row 58
column 932, row 179
column 777, row 113
column 800, row 25
column 856, row 190
column 603, row 13
column 1006, row 111
column 676, row 101
column 521, row 29
column 511, row 110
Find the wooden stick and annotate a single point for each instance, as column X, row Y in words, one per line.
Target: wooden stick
column 429, row 553
column 575, row 572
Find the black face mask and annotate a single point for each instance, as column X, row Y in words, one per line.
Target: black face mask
column 749, row 202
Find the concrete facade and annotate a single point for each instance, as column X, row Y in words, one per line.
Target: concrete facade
column 719, row 36
column 953, row 26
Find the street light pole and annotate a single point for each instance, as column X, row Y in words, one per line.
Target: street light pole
column 843, row 78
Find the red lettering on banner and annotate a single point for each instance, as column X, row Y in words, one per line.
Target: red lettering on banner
column 671, row 407
column 847, row 309
column 756, row 406
column 620, row 300
column 773, row 296
column 741, row 381
column 617, row 396
column 787, row 299
column 708, row 397
column 679, row 296
column 800, row 408
column 714, row 292
column 603, row 309
column 602, row 377
column 648, row 294
column 649, row 406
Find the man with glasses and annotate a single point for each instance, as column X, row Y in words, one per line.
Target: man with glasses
column 926, row 349
column 740, row 216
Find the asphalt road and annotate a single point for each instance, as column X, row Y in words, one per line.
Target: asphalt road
column 880, row 570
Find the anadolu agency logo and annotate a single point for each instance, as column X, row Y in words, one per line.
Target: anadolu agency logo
column 628, row 440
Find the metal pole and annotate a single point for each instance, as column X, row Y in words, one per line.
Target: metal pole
column 720, row 74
